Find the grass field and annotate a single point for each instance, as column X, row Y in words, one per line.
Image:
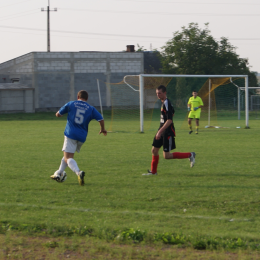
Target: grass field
column 213, row 205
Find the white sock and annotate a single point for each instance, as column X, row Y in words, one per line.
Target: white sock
column 73, row 165
column 63, row 165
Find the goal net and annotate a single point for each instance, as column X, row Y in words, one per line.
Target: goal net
column 134, row 101
column 255, row 106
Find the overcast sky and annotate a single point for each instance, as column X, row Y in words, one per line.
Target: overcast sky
column 110, row 25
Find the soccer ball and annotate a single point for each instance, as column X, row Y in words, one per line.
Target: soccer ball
column 60, row 177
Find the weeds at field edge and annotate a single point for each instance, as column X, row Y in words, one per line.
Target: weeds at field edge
column 134, row 236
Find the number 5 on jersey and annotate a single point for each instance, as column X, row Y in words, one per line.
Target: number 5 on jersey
column 79, row 118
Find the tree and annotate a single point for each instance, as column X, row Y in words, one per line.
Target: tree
column 195, row 51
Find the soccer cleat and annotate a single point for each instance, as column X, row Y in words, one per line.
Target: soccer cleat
column 192, row 159
column 81, row 178
column 149, row 173
column 55, row 177
column 59, row 177
column 196, row 132
column 190, row 132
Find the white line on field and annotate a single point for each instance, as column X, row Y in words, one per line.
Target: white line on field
column 127, row 212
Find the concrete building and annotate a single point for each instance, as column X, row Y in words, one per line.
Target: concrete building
column 54, row 78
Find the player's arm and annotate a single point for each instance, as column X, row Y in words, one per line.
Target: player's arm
column 63, row 110
column 102, row 127
column 163, row 128
column 96, row 115
column 58, row 114
column 189, row 105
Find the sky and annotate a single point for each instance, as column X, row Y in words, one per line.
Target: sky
column 110, row 25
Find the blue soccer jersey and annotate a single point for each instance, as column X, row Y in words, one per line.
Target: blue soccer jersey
column 80, row 113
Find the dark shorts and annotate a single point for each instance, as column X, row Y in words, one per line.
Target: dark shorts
column 168, row 143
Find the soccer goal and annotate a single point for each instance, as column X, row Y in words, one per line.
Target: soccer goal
column 135, row 96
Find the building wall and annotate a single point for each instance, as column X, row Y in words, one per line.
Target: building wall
column 58, row 76
column 16, row 98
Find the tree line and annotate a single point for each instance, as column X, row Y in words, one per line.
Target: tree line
column 193, row 50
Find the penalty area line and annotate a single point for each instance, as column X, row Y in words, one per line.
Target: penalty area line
column 184, row 215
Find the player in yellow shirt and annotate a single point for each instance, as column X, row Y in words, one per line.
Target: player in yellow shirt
column 194, row 106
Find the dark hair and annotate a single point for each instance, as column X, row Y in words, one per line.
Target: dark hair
column 83, row 94
column 162, row 88
column 194, row 91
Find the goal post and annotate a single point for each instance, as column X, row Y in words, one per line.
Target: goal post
column 141, row 89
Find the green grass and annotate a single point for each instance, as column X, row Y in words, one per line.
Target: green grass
column 218, row 198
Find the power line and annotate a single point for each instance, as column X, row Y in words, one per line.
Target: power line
column 12, row 16
column 15, row 3
column 19, row 13
column 19, row 16
column 194, row 3
column 114, row 35
column 156, row 13
column 78, row 37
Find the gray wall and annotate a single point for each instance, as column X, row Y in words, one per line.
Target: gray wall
column 57, row 76
column 16, row 98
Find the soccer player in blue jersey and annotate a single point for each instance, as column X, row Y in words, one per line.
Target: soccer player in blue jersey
column 80, row 113
column 165, row 137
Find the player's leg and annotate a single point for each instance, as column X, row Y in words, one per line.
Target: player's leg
column 60, row 175
column 68, row 157
column 63, row 165
column 190, row 124
column 155, row 156
column 69, row 148
column 197, row 126
column 169, row 144
column 74, row 167
column 178, row 155
column 155, row 159
column 197, row 117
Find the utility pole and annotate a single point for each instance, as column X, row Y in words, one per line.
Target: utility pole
column 48, row 25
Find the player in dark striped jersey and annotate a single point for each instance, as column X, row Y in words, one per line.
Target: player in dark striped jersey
column 166, row 135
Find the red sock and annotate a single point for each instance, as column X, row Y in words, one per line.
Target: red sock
column 178, row 155
column 154, row 163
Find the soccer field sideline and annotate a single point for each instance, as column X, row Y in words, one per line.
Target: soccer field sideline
column 127, row 212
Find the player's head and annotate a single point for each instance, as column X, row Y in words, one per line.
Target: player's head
column 83, row 94
column 194, row 93
column 162, row 88
column 161, row 92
